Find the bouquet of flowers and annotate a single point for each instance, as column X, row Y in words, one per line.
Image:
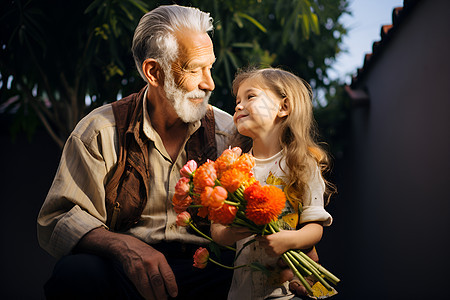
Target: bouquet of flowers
column 225, row 191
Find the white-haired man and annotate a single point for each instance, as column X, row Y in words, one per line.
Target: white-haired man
column 108, row 214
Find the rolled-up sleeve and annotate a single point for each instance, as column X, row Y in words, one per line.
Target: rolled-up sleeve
column 75, row 202
column 313, row 205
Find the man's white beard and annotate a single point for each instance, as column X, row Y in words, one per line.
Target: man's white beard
column 187, row 111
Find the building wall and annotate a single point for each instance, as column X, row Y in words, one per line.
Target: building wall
column 400, row 164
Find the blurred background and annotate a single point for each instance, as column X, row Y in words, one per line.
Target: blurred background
column 380, row 74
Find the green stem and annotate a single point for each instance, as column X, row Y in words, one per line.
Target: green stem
column 226, row 267
column 231, row 203
column 297, row 273
column 200, row 233
column 208, row 237
column 304, row 268
column 317, row 275
column 321, row 269
column 195, row 205
column 242, row 222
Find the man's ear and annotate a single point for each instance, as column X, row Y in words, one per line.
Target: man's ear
column 153, row 72
column 284, row 108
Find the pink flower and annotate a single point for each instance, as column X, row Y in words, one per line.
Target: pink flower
column 237, row 151
column 183, row 219
column 188, row 169
column 201, row 258
column 182, row 188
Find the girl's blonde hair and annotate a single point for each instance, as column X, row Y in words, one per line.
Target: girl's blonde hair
column 299, row 130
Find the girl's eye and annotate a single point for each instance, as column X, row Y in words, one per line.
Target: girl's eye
column 251, row 96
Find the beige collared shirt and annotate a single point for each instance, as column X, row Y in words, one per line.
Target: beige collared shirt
column 75, row 203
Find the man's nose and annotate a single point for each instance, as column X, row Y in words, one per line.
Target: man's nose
column 207, row 82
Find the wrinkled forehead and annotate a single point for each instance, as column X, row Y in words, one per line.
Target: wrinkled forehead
column 195, row 48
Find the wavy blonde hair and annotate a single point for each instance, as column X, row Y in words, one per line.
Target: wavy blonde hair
column 299, row 129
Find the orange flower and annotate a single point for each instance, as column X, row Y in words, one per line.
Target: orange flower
column 202, row 212
column 205, row 176
column 232, row 179
column 245, row 163
column 223, row 215
column 213, row 197
column 264, row 203
column 181, row 204
column 225, row 161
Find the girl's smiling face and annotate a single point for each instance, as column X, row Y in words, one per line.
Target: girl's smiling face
column 257, row 111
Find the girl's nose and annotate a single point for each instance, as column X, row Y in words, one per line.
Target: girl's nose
column 238, row 107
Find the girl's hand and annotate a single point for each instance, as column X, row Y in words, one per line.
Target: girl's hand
column 228, row 235
column 277, row 243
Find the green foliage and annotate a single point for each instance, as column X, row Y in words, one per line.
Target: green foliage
column 57, row 54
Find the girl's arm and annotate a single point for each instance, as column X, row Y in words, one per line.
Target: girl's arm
column 228, row 236
column 280, row 242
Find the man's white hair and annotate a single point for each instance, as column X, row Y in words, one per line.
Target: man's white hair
column 154, row 36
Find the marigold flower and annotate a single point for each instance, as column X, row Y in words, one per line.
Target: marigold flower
column 225, row 161
column 232, row 179
column 188, row 169
column 264, row 203
column 183, row 219
column 182, row 187
column 205, row 176
column 214, row 197
column 223, row 215
column 201, row 258
column 245, row 163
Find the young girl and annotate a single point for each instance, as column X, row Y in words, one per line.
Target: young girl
column 274, row 109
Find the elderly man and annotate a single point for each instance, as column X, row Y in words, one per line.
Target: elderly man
column 110, row 203
column 108, row 213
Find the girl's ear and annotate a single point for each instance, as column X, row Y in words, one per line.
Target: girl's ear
column 284, row 108
column 153, row 72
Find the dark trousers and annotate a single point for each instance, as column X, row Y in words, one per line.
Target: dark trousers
column 87, row 276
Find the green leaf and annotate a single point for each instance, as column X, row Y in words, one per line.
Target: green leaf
column 142, row 6
column 214, row 249
column 252, row 20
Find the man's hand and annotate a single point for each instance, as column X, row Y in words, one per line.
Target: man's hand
column 145, row 267
column 148, row 270
column 294, row 285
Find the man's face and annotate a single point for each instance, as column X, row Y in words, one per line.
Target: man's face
column 189, row 85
